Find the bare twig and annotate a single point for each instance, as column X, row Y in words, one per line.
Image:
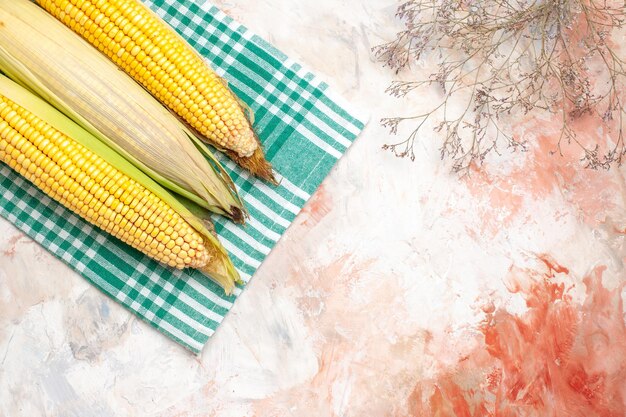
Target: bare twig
column 505, row 57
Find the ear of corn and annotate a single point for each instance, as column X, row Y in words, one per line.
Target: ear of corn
column 42, row 54
column 146, row 48
column 89, row 178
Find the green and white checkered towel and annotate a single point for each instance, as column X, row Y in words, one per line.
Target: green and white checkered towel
column 304, row 130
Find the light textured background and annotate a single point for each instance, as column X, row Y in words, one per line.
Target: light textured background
column 381, row 274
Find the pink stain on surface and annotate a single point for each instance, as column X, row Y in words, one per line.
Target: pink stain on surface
column 501, row 192
column 560, row 357
column 595, row 193
column 318, row 207
column 498, row 199
column 12, row 245
column 356, row 321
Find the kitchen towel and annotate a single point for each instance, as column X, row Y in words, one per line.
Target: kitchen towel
column 304, row 128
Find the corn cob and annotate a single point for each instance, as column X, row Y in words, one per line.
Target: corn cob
column 146, row 48
column 115, row 203
column 38, row 51
column 78, row 177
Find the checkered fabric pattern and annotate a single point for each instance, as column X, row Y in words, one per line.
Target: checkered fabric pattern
column 304, row 128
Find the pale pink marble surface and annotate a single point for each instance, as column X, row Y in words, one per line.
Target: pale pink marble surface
column 378, row 286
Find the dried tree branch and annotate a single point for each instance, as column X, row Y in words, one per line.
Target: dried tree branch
column 506, row 57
